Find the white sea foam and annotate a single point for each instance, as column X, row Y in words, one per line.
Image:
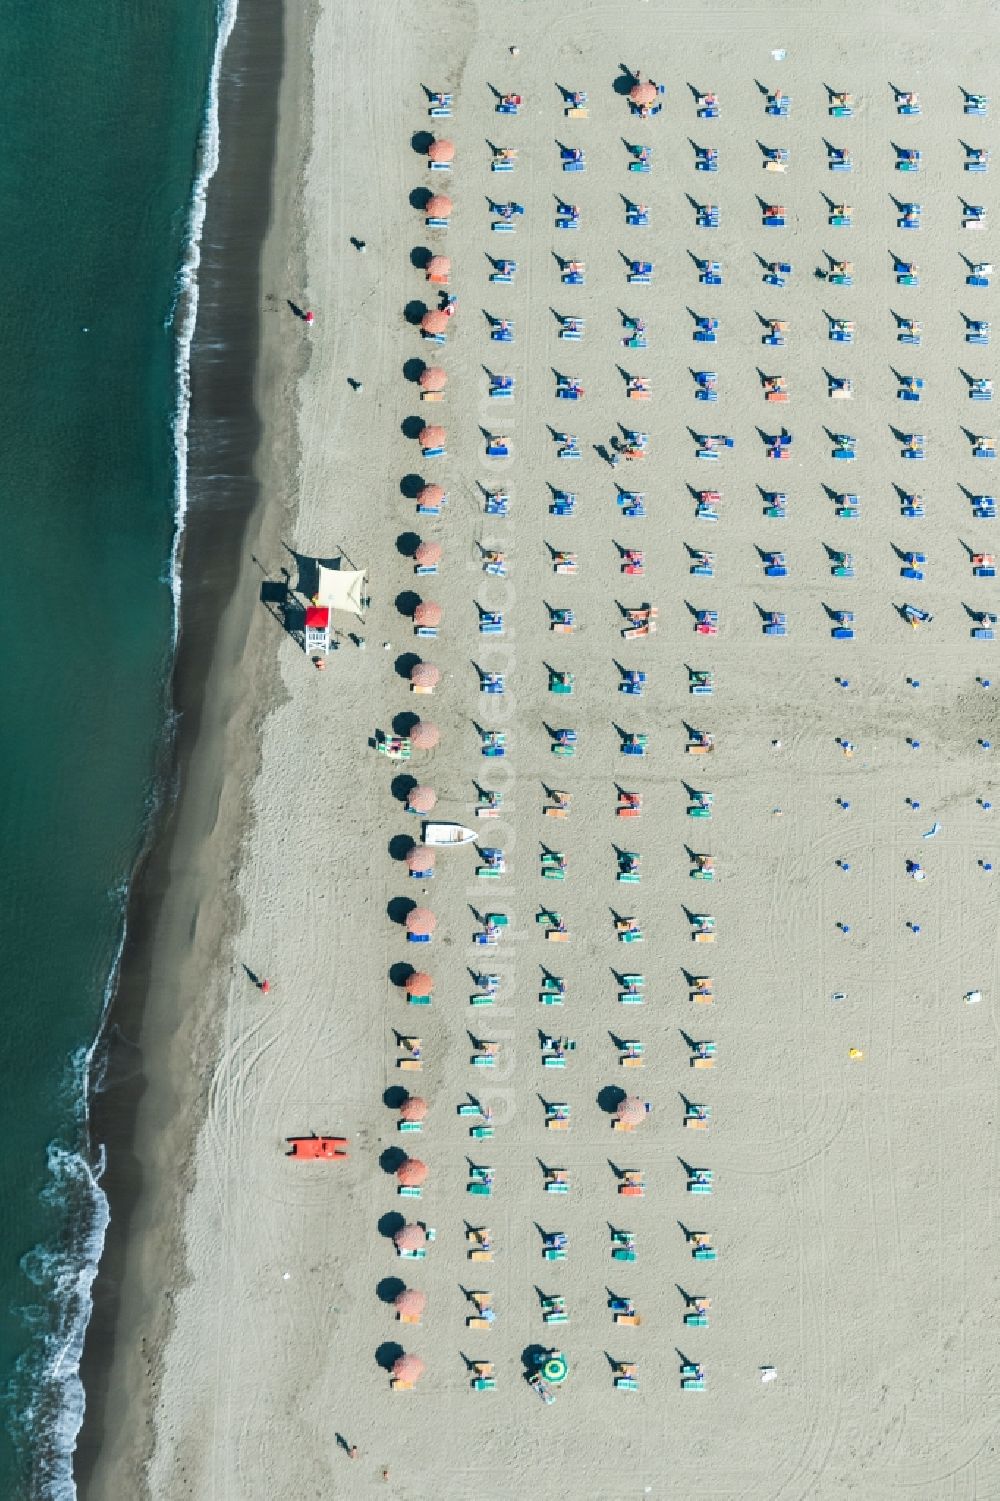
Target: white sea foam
column 183, row 313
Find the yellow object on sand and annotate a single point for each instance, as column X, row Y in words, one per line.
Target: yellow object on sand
column 855, row 1053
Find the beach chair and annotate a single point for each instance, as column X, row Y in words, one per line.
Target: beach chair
column 908, row 160
column 707, row 216
column 977, row 105
column 440, row 106
column 567, row 216
column 572, row 328
column 501, row 387
column 509, row 104
column 974, row 216
column 641, row 159
column 984, row 508
column 910, row 388
column 840, row 216
column 575, row 105
column 572, row 159
column 775, row 624
column 984, row 565
column 692, row 1377
column 981, row 633
column 707, row 107
column 980, row 274
column 706, row 159
column 775, row 566
column 977, row 332
column 981, row 390
column 907, row 103
column 906, row 274
column 778, row 105
column 841, row 106
column 710, row 273
column 639, row 274
column 706, row 330
column 775, row 505
column 700, row 1181
column 842, row 565
column 839, row 159
column 984, row 448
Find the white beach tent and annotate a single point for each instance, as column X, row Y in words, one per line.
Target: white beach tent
column 342, row 589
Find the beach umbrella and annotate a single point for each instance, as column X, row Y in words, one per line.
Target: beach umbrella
column 555, row 1368
column 413, row 1109
column 431, row 495
column 410, row 1238
column 642, row 93
column 428, row 553
column 439, row 206
column 441, row 151
column 410, row 1303
column 421, row 920
column 419, row 983
column 425, row 675
column 412, row 1172
column 419, row 860
column 422, row 800
column 438, row 265
column 424, row 736
column 433, row 436
column 433, row 378
column 434, row 321
column 631, row 1109
column 427, row 613
column 408, row 1368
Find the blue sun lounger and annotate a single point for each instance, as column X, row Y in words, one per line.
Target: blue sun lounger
column 640, row 273
column 707, row 216
column 706, row 159
column 706, row 330
column 839, row 160
column 440, row 106
column 504, row 273
column 497, row 505
column 773, row 221
column 572, row 159
column 502, row 332
column 840, row 221
column 776, row 624
column 502, row 388
column 984, row 451
column 572, row 328
column 710, row 273
column 841, row 331
column 636, row 218
column 977, row 105
column 977, row 159
column 981, row 633
column 981, row 390
column 491, row 623
column 497, row 448
column 778, row 105
column 844, row 454
column 977, row 332
column 848, row 507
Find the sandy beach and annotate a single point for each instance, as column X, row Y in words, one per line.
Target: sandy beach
column 851, row 1141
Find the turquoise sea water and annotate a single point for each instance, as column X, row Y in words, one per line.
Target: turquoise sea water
column 104, row 113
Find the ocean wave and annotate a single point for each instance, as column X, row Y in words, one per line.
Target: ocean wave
column 183, row 313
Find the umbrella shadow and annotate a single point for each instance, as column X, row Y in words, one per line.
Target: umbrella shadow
column 388, row 1353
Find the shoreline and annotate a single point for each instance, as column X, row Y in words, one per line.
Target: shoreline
column 183, row 904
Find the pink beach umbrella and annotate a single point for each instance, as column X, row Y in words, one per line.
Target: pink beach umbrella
column 419, row 983
column 441, row 151
column 433, row 378
column 410, row 1303
column 421, row 921
column 420, row 861
column 422, row 800
column 413, row 1109
column 425, row 675
column 427, row 612
column 431, row 495
column 643, row 93
column 432, row 436
column 439, row 206
column 408, row 1368
column 631, row 1110
column 424, row 736
column 410, row 1238
column 434, row 321
column 438, row 269
column 411, row 1173
column 428, row 554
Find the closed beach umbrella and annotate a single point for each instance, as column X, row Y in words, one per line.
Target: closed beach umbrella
column 431, row 495
column 428, row 553
column 631, row 1110
column 411, row 1302
column 419, row 983
column 422, row 800
column 433, row 436
column 419, row 860
column 433, row 378
column 428, row 612
column 410, row 1238
column 440, row 206
column 425, row 736
column 434, row 321
column 412, row 1172
column 408, row 1368
column 642, row 93
column 413, row 1109
column 421, row 920
column 425, row 675
column 439, row 265
column 441, row 151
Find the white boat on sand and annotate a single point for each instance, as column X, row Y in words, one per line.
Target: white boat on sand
column 448, row 833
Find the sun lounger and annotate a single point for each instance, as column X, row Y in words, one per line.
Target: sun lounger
column 981, row 633
column 623, row 1253
column 977, row 105
column 707, row 216
column 640, row 273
